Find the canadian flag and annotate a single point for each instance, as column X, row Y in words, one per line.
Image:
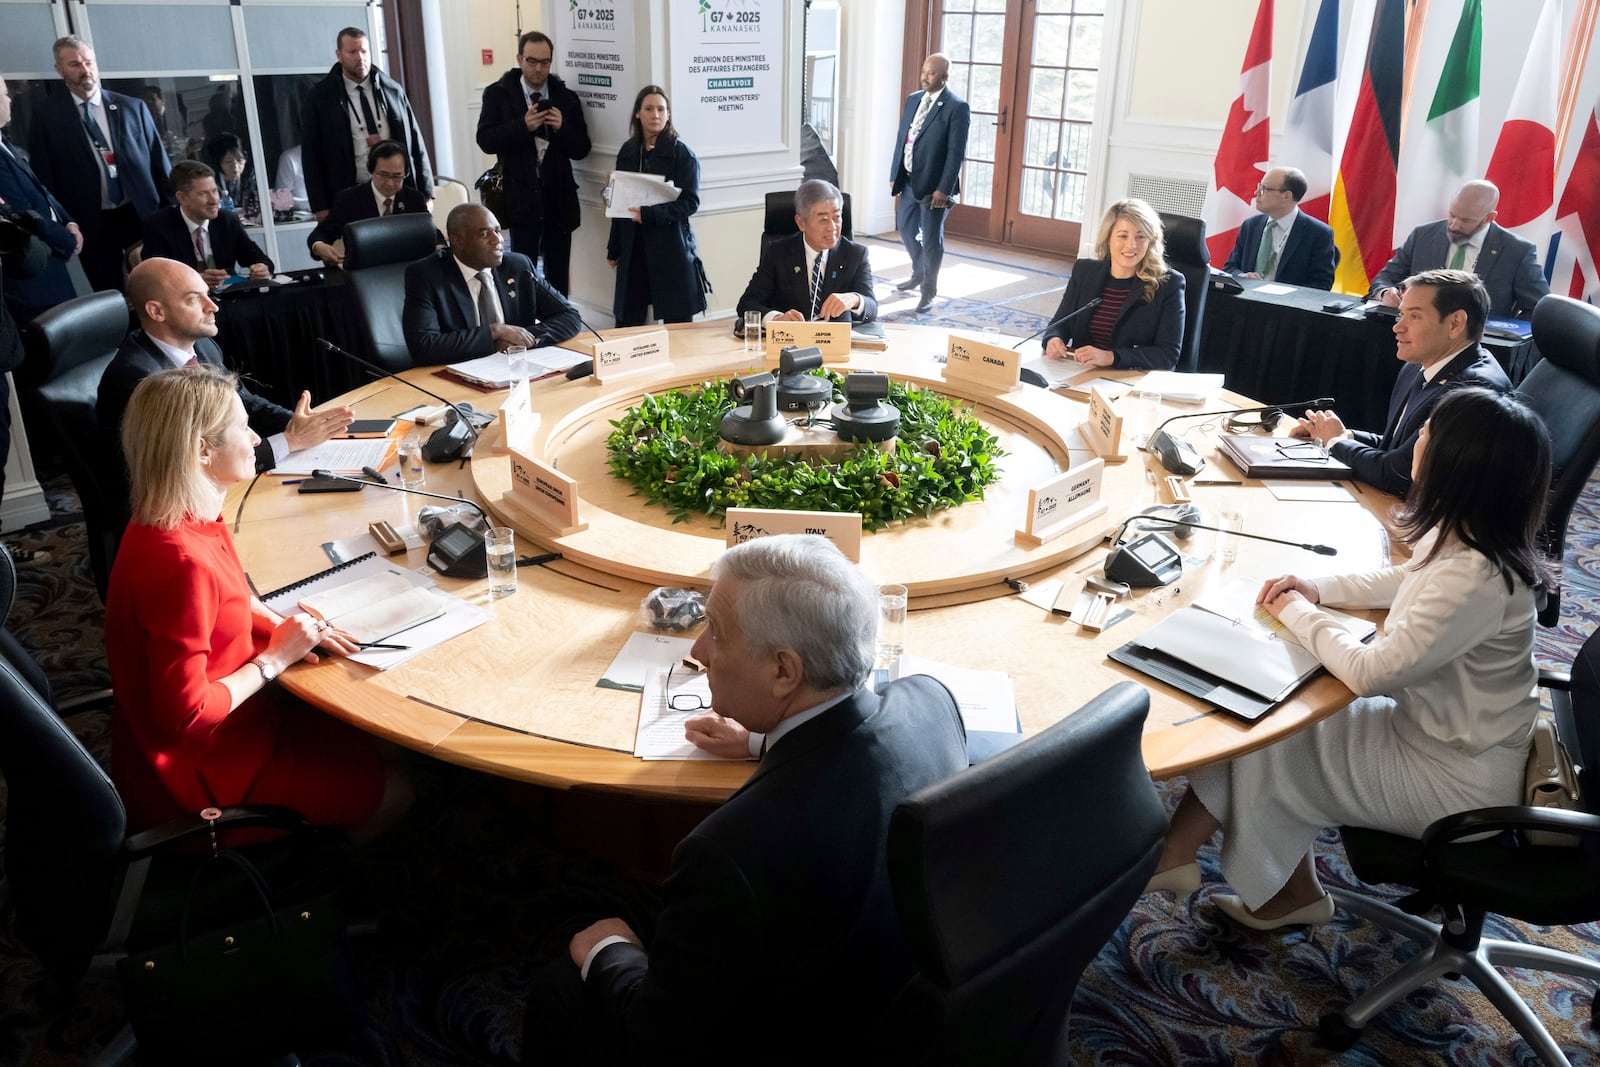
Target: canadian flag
column 1524, row 160
column 1242, row 155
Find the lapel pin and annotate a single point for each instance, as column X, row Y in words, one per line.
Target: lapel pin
column 797, row 270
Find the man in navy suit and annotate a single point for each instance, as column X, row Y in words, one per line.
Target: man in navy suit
column 1282, row 243
column 778, row 940
column 1436, row 336
column 22, row 190
column 99, row 152
column 925, row 172
column 814, row 275
column 386, row 194
column 1469, row 239
column 199, row 234
column 475, row 298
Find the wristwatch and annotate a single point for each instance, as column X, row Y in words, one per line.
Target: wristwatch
column 267, row 673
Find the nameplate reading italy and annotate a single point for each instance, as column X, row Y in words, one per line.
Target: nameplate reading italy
column 543, row 493
column 518, row 421
column 1103, row 427
column 630, row 355
column 842, row 528
column 988, row 366
column 1062, row 503
column 832, row 337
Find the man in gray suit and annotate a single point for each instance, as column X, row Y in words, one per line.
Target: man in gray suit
column 1469, row 239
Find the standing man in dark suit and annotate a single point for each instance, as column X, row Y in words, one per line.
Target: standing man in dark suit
column 386, row 194
column 1469, row 239
column 99, row 152
column 345, row 115
column 199, row 234
column 535, row 124
column 21, row 190
column 475, row 298
column 925, row 172
column 815, row 275
column 1283, row 244
column 1436, row 335
column 778, row 940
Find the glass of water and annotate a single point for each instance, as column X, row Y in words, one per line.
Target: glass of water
column 520, row 363
column 752, row 331
column 501, row 542
column 1149, row 417
column 1231, row 520
column 891, row 623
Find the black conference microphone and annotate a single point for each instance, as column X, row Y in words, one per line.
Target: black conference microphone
column 1179, row 457
column 459, row 550
column 1151, row 559
column 1068, row 317
column 450, row 441
column 586, row 368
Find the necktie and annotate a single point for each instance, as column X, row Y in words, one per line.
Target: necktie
column 366, row 111
column 200, row 246
column 193, row 361
column 98, row 139
column 388, row 202
column 1458, row 259
column 916, row 126
column 1267, row 254
column 488, row 305
column 816, row 284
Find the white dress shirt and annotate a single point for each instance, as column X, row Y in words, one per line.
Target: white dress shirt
column 358, row 119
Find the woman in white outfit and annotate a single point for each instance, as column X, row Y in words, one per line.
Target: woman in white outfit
column 1445, row 694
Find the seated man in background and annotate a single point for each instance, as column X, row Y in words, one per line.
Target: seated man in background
column 198, row 233
column 385, row 194
column 778, row 939
column 1436, row 337
column 815, row 275
column 1469, row 239
column 474, row 298
column 1282, row 243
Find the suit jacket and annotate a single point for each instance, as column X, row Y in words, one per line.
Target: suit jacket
column 941, row 146
column 327, row 155
column 67, row 163
column 1506, row 263
column 21, row 188
column 1147, row 336
column 780, row 282
column 778, row 909
column 545, row 192
column 166, row 236
column 1308, row 258
column 357, row 203
column 441, row 321
column 1385, row 460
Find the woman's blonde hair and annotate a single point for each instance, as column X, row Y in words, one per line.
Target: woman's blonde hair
column 1153, row 267
column 169, row 414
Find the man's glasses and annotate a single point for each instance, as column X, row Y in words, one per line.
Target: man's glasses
column 684, row 701
column 1265, row 188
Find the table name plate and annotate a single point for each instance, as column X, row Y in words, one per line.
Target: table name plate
column 1063, row 503
column 1103, row 427
column 544, row 494
column 518, row 421
column 842, row 528
column 832, row 337
column 630, row 355
column 985, row 365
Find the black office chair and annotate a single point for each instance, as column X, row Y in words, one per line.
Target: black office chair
column 69, row 348
column 1564, row 388
column 1009, row 877
column 1545, row 884
column 779, row 220
column 1188, row 255
column 376, row 255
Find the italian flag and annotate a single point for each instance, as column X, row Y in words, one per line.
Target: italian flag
column 1438, row 158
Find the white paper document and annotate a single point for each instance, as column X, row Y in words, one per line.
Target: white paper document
column 1275, row 289
column 1233, row 650
column 494, row 371
column 987, row 699
column 630, row 189
column 1236, row 602
column 1181, row 388
column 641, row 654
column 342, row 455
column 1309, row 491
column 660, row 733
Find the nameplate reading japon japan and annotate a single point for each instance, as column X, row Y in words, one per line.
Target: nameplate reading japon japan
column 1063, row 502
column 630, row 355
column 842, row 528
column 983, row 365
column 518, row 421
column 1103, row 427
column 544, row 494
column 833, row 338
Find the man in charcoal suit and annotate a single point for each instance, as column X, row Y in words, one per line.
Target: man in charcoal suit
column 816, row 274
column 199, row 233
column 386, row 194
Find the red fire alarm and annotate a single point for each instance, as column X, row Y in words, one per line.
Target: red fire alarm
column 488, row 57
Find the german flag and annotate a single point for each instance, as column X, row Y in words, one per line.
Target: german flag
column 1362, row 208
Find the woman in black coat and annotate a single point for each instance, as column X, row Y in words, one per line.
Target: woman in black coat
column 654, row 255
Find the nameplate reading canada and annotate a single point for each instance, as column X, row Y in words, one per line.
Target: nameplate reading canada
column 842, row 528
column 989, row 366
column 544, row 493
column 832, row 337
column 630, row 355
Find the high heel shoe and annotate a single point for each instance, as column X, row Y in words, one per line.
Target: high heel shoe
column 1181, row 881
column 1313, row 914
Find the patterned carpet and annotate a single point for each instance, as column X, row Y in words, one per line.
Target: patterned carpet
column 469, row 899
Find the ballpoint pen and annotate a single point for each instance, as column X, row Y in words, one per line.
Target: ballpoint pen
column 536, row 561
column 387, row 648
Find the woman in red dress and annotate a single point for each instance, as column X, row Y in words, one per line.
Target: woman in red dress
column 193, row 651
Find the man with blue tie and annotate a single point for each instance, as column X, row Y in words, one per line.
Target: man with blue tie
column 21, row 189
column 925, row 172
column 1436, row 336
column 1283, row 244
column 816, row 275
column 99, row 152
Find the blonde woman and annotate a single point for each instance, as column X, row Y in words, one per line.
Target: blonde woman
column 193, row 652
column 1138, row 324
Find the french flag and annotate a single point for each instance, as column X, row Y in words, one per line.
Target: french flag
column 1308, row 133
column 1242, row 155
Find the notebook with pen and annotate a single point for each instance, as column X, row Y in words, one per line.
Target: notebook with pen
column 1280, row 457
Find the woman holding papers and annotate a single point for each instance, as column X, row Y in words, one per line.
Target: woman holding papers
column 1445, row 710
column 192, row 650
column 654, row 255
column 1138, row 322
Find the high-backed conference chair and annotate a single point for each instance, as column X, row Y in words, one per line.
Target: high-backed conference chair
column 1010, row 876
column 376, row 254
column 1545, row 884
column 1188, row 255
column 779, row 220
column 1564, row 388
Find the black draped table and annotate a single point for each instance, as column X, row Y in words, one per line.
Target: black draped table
column 270, row 337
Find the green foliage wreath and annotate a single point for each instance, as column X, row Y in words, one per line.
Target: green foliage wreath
column 666, row 448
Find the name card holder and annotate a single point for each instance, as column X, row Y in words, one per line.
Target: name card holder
column 627, row 356
column 842, row 528
column 543, row 494
column 1103, row 428
column 832, row 337
column 984, row 365
column 518, row 421
column 1063, row 503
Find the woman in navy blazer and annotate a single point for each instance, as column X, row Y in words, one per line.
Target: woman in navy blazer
column 1139, row 324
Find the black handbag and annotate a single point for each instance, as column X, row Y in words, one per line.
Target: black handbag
column 491, row 186
column 257, row 986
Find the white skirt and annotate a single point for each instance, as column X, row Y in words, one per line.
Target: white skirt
column 1352, row 769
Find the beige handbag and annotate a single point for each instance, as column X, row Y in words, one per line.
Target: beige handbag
column 1550, row 781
